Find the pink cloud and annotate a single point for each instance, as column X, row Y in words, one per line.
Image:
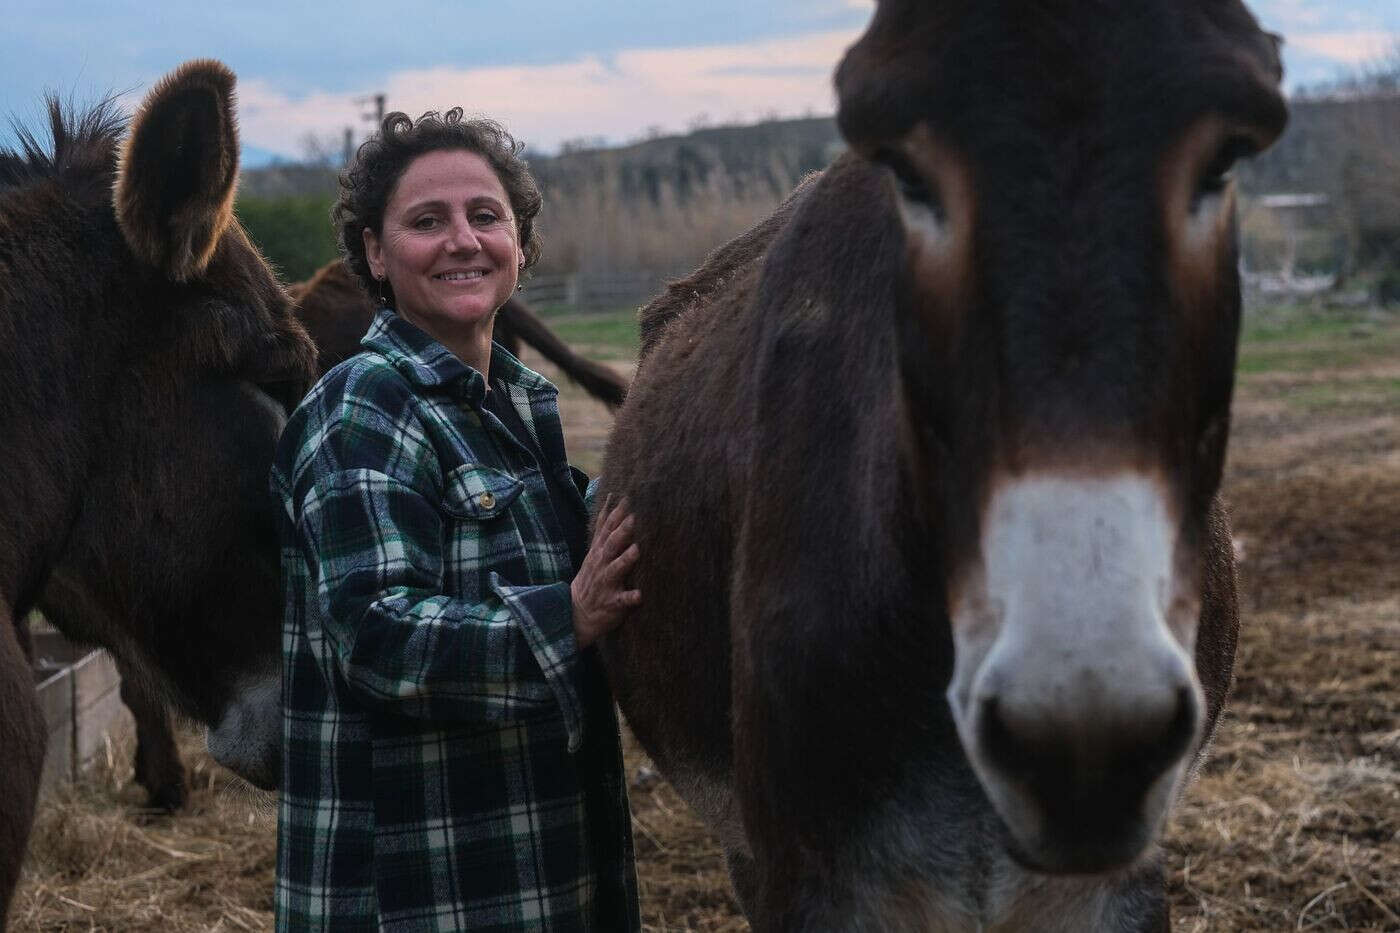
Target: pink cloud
column 1352, row 48
column 617, row 98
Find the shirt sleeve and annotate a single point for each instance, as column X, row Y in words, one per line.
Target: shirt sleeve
column 373, row 545
column 590, row 497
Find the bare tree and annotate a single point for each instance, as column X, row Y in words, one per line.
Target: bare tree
column 323, row 150
column 1372, row 171
column 1363, row 139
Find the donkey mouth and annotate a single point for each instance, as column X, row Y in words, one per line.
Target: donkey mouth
column 1097, row 833
column 247, row 737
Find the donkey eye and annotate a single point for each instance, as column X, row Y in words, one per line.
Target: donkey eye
column 912, row 186
column 1216, row 175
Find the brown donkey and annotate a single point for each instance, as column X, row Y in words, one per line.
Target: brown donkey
column 939, row 603
column 147, row 359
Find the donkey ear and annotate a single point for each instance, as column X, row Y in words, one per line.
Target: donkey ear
column 179, row 168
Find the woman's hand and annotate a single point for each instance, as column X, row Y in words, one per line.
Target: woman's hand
column 601, row 598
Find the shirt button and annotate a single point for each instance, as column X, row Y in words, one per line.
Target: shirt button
column 487, row 500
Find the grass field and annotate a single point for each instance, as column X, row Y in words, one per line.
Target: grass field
column 1297, row 340
column 605, row 335
column 1293, row 824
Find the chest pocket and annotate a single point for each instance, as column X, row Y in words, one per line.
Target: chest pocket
column 480, row 492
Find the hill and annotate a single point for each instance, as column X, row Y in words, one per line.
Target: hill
column 664, row 203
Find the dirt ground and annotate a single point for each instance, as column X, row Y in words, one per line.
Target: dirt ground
column 1293, row 824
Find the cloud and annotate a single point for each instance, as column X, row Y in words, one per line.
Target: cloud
column 617, row 97
column 1290, row 15
column 1351, row 48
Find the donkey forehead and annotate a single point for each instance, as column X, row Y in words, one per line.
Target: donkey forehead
column 988, row 72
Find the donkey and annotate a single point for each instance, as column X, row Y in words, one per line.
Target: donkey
column 939, row 606
column 148, row 357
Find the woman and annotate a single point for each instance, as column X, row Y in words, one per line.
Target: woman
column 451, row 756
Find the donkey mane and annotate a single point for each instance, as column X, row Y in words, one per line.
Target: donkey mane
column 82, row 151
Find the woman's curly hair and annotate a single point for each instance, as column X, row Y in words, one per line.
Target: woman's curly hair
column 368, row 181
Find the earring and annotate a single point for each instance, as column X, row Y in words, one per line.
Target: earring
column 383, row 299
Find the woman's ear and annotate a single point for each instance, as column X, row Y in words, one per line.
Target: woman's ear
column 372, row 254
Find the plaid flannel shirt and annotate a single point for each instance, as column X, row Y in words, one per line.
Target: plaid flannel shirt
column 451, row 760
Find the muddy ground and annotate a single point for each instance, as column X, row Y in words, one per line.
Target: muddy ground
column 1294, row 824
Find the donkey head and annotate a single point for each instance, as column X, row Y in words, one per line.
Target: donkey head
column 186, row 354
column 1069, row 309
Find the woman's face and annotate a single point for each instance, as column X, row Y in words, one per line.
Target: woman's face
column 449, row 246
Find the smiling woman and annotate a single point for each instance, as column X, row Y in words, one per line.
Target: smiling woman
column 442, row 701
column 449, row 248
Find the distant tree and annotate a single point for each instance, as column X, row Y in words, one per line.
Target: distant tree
column 1361, row 148
column 322, row 150
column 294, row 233
column 1372, row 177
column 582, row 144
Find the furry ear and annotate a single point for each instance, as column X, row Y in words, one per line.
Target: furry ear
column 179, row 169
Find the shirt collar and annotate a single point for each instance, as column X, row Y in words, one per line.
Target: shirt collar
column 426, row 363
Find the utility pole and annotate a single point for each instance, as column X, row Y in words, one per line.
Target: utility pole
column 378, row 115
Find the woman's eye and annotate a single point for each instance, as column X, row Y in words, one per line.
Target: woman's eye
column 425, row 223
column 485, row 219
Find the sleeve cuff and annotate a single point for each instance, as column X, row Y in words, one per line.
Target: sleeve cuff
column 546, row 617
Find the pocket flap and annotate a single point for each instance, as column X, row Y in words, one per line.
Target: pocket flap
column 480, row 492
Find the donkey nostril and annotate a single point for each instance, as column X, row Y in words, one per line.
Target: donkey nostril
column 1133, row 744
column 1175, row 738
column 1017, row 747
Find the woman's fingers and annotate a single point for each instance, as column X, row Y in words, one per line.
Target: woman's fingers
column 623, row 563
column 601, row 599
column 609, row 520
column 613, row 532
column 618, row 539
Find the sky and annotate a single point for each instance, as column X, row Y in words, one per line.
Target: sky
column 553, row 71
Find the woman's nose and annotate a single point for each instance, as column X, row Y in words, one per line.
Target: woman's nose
column 462, row 238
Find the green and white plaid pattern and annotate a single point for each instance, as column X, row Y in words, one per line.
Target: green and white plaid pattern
column 451, row 760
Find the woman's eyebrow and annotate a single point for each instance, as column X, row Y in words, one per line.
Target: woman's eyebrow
column 424, row 204
column 439, row 203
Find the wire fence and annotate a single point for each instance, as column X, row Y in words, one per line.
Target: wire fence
column 596, row 291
